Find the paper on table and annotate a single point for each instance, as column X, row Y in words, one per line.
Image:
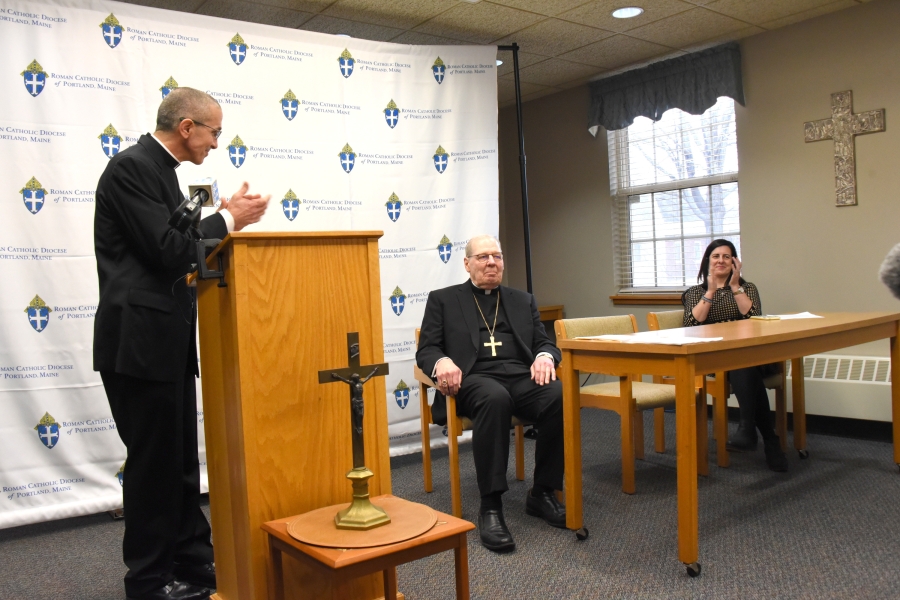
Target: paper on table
column 672, row 338
column 803, row 315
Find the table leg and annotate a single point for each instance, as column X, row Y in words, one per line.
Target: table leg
column 461, row 560
column 572, row 444
column 390, row 583
column 276, row 574
column 798, row 399
column 686, row 443
column 702, row 432
column 895, row 395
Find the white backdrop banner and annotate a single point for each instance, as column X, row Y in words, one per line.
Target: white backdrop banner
column 345, row 134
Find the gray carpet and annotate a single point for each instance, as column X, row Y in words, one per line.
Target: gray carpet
column 830, row 528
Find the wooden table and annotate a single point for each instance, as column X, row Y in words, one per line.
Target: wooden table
column 342, row 565
column 744, row 344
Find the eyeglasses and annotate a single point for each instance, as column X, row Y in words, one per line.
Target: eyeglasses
column 216, row 132
column 483, row 258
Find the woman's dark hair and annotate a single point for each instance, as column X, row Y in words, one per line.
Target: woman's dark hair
column 704, row 264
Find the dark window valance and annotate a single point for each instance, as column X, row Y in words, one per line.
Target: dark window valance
column 691, row 83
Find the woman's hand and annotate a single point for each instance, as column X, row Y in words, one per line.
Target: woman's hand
column 735, row 273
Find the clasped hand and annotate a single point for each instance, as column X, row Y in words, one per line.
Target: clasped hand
column 448, row 377
column 245, row 208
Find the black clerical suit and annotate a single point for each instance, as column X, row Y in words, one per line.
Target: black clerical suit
column 494, row 388
column 145, row 350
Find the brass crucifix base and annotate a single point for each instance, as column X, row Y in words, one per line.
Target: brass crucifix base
column 361, row 514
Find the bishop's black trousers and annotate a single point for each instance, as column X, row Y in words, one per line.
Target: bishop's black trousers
column 157, row 422
column 490, row 401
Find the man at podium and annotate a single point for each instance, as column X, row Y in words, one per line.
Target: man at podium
column 145, row 347
column 485, row 344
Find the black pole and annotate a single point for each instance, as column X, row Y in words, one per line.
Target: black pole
column 514, row 48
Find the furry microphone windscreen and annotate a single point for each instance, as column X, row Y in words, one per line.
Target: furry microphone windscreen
column 890, row 271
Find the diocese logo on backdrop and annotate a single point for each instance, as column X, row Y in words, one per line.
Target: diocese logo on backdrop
column 112, row 30
column 110, row 141
column 237, row 152
column 48, row 431
column 441, row 160
column 398, row 301
column 33, row 195
column 120, row 474
column 401, row 394
column 348, row 158
column 438, row 69
column 290, row 105
column 290, row 205
column 393, row 207
column 168, row 86
column 346, row 63
column 35, row 78
column 38, row 314
column 237, row 49
column 391, row 114
column 444, row 249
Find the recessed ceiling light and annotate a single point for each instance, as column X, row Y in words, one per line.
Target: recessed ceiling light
column 342, row 35
column 499, row 62
column 472, row 1
column 627, row 13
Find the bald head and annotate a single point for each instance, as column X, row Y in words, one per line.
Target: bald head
column 184, row 103
column 478, row 240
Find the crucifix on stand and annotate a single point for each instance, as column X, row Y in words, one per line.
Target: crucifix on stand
column 842, row 127
column 361, row 514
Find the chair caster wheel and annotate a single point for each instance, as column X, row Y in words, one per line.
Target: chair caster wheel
column 804, row 454
column 693, row 569
column 582, row 534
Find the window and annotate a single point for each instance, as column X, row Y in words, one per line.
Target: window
column 674, row 187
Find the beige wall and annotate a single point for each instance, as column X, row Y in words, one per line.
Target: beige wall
column 802, row 251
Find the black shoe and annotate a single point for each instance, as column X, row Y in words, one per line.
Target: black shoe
column 743, row 440
column 775, row 458
column 202, row 575
column 547, row 507
column 494, row 533
column 177, row 590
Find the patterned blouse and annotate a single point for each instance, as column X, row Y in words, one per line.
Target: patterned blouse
column 723, row 307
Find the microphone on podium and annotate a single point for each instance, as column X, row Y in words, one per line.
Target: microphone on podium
column 210, row 186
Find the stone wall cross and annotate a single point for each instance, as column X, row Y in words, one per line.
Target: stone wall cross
column 842, row 127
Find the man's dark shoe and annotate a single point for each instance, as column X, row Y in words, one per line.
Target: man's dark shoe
column 775, row 458
column 547, row 507
column 743, row 440
column 494, row 533
column 202, row 575
column 177, row 590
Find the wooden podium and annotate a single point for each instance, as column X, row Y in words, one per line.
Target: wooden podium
column 277, row 442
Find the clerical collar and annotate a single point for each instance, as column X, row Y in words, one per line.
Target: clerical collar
column 177, row 162
column 478, row 290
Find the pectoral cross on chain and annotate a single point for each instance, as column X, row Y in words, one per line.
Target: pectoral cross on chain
column 493, row 346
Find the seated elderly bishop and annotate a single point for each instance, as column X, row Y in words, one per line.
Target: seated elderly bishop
column 484, row 343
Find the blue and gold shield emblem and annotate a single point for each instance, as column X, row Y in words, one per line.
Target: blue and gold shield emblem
column 237, row 49
column 348, row 158
column 237, row 152
column 444, row 249
column 33, row 195
column 393, row 207
column 392, row 114
column 290, row 205
column 398, row 301
column 346, row 63
column 48, row 431
column 38, row 314
column 112, row 31
column 35, row 78
column 290, row 105
column 437, row 69
column 401, row 394
column 168, row 86
column 110, row 141
column 441, row 160
column 120, row 474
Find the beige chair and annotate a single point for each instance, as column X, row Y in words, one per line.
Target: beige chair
column 456, row 424
column 628, row 397
column 717, row 385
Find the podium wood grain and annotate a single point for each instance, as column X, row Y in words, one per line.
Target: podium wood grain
column 278, row 443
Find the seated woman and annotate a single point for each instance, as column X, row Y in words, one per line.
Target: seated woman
column 723, row 295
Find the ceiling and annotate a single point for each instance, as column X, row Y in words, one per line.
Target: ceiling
column 563, row 43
